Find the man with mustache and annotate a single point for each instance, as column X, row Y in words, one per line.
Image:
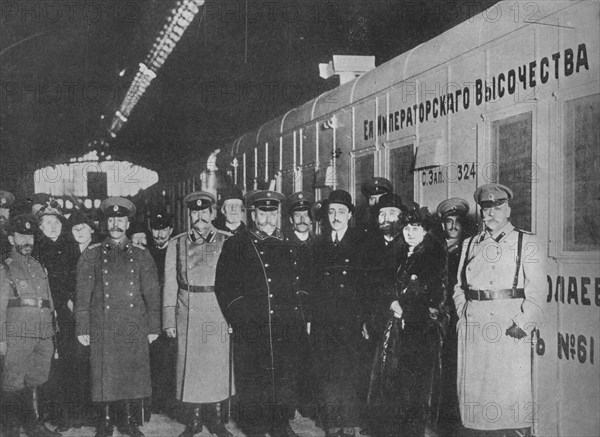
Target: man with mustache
column 191, row 314
column 26, row 312
column 164, row 350
column 453, row 213
column 232, row 210
column 256, row 291
column 498, row 295
column 6, row 201
column 342, row 358
column 117, row 314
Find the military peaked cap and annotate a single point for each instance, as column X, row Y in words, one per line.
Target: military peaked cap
column 25, row 224
column 117, row 207
column 489, row 195
column 453, row 206
column 199, row 200
column 266, row 200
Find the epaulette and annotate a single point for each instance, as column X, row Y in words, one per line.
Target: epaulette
column 93, row 246
column 524, row 232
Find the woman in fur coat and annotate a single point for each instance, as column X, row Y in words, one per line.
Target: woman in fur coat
column 406, row 369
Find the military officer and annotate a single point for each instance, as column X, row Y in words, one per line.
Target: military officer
column 117, row 313
column 198, row 324
column 498, row 296
column 6, row 201
column 232, row 210
column 453, row 214
column 255, row 289
column 341, row 356
column 26, row 311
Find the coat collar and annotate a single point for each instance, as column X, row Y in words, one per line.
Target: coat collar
column 263, row 236
column 208, row 235
column 124, row 245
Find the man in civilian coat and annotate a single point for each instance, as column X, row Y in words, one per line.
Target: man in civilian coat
column 254, row 285
column 118, row 313
column 342, row 357
column 498, row 299
column 191, row 314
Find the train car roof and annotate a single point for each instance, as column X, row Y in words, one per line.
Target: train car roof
column 468, row 36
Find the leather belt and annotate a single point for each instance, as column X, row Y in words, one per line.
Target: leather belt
column 28, row 302
column 505, row 293
column 196, row 288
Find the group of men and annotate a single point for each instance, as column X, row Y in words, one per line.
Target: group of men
column 273, row 322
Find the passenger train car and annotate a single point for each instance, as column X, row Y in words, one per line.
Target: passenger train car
column 511, row 96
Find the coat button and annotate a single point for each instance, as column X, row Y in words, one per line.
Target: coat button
column 270, row 295
column 132, row 271
column 347, row 260
column 105, row 260
column 297, row 277
column 344, row 272
column 106, row 294
column 492, row 282
column 131, row 294
column 341, row 285
column 131, row 305
column 106, row 283
column 107, row 307
column 131, row 283
column 269, row 279
column 493, row 267
column 105, row 271
column 266, row 265
column 271, row 311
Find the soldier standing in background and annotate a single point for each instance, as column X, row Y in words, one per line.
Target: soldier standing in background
column 118, row 314
column 498, row 295
column 6, row 201
column 258, row 298
column 191, row 314
column 26, row 312
column 164, row 350
column 453, row 213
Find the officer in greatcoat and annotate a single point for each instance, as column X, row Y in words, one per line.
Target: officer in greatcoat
column 26, row 332
column 254, row 285
column 118, row 313
column 498, row 299
column 191, row 314
column 341, row 354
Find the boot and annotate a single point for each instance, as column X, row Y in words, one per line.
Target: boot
column 104, row 427
column 194, row 425
column 34, row 427
column 12, row 407
column 129, row 424
column 215, row 422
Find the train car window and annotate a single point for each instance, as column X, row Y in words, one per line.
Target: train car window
column 512, row 160
column 401, row 172
column 363, row 171
column 581, row 165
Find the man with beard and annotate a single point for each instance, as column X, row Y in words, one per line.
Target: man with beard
column 498, row 296
column 164, row 349
column 232, row 210
column 54, row 250
column 118, row 314
column 255, row 289
column 6, row 201
column 373, row 190
column 191, row 314
column 342, row 358
column 26, row 311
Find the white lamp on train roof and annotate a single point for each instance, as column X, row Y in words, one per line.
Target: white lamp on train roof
column 347, row 67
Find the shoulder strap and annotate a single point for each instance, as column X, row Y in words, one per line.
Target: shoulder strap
column 463, row 275
column 518, row 261
column 13, row 286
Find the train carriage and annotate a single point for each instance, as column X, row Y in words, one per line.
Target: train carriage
column 511, row 95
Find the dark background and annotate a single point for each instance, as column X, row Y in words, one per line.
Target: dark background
column 60, row 64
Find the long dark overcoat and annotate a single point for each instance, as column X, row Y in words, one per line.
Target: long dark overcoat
column 405, row 375
column 341, row 356
column 118, row 305
column 254, row 286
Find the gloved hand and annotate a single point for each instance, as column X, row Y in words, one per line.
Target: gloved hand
column 84, row 339
column 515, row 332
